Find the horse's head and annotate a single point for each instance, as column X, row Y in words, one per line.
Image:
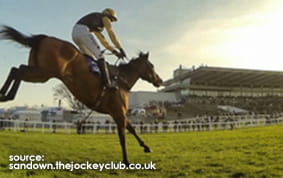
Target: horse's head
column 147, row 71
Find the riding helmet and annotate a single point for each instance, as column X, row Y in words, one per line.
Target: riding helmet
column 109, row 12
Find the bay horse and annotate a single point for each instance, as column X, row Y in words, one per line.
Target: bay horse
column 51, row 57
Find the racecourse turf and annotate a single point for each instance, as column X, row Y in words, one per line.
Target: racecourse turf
column 250, row 152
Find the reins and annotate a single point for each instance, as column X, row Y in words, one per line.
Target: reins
column 117, row 60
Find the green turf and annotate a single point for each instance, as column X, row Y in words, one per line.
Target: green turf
column 252, row 152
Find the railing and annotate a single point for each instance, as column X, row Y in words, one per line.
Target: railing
column 19, row 125
column 156, row 127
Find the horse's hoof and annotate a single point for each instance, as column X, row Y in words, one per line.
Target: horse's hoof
column 147, row 150
column 3, row 98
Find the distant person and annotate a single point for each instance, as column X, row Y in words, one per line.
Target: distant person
column 107, row 126
column 25, row 125
column 1, row 123
column 113, row 127
column 53, row 126
column 156, row 126
column 98, row 126
column 83, row 126
column 141, row 127
column 176, row 125
column 79, row 126
column 165, row 126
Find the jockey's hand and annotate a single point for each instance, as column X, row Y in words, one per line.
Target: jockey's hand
column 116, row 53
column 123, row 53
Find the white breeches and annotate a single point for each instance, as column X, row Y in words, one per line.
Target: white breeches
column 86, row 41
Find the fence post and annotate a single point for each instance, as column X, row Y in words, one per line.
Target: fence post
column 42, row 127
column 210, row 123
column 34, row 126
column 15, row 124
column 93, row 128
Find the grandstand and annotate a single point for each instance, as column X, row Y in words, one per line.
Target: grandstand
column 217, row 81
column 254, row 90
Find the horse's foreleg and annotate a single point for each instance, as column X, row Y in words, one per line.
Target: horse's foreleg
column 142, row 144
column 122, row 136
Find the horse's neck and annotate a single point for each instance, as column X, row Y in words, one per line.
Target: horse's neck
column 130, row 74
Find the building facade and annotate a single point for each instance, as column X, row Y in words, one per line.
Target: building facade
column 140, row 99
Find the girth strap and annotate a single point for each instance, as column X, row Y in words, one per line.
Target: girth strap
column 98, row 99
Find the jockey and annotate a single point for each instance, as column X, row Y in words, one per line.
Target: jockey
column 82, row 36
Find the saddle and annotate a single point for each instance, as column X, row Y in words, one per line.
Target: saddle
column 113, row 76
column 95, row 68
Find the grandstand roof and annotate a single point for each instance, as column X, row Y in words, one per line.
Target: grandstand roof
column 218, row 76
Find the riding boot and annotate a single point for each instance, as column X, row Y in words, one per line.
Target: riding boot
column 105, row 75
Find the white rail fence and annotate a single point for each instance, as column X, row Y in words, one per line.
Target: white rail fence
column 188, row 125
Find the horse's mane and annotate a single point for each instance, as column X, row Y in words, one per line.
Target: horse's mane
column 132, row 61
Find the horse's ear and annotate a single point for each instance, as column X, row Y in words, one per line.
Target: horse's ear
column 143, row 55
column 146, row 55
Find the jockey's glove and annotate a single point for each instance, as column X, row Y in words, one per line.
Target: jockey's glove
column 116, row 53
column 123, row 53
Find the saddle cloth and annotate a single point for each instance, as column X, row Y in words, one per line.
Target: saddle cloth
column 93, row 65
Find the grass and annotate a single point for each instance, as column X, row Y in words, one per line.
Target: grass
column 252, row 152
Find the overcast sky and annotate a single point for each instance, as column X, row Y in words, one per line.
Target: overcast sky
column 234, row 33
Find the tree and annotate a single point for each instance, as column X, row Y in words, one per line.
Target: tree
column 61, row 92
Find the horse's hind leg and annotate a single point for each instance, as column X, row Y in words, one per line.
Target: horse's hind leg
column 11, row 77
column 8, row 81
column 32, row 74
column 25, row 73
column 142, row 144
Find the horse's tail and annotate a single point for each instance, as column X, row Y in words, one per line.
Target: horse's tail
column 10, row 33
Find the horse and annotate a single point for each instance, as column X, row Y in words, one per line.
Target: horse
column 50, row 57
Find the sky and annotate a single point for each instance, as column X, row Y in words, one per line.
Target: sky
column 237, row 34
